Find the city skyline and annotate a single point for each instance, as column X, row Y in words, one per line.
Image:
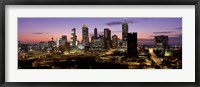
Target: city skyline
column 35, row 30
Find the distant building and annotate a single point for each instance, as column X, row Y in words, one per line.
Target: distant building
column 85, row 36
column 132, row 45
column 64, row 39
column 97, row 43
column 59, row 42
column 161, row 41
column 43, row 45
column 114, row 41
column 73, row 42
column 124, row 32
column 107, row 37
column 51, row 43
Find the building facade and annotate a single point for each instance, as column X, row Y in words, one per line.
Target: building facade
column 107, row 38
column 85, row 36
column 124, row 32
column 73, row 38
column 114, row 41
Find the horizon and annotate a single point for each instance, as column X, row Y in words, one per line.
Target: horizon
column 35, row 30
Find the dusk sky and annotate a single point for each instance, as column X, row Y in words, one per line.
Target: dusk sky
column 34, row 30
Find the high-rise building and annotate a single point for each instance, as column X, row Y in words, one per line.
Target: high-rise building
column 97, row 43
column 59, row 41
column 64, row 39
column 114, row 41
column 51, row 43
column 132, row 45
column 85, row 36
column 124, row 32
column 95, row 32
column 73, row 38
column 107, row 36
column 161, row 41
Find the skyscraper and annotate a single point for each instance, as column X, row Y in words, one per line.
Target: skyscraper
column 51, row 43
column 107, row 36
column 161, row 41
column 114, row 41
column 73, row 38
column 124, row 32
column 64, row 39
column 85, row 37
column 95, row 32
column 59, row 41
column 132, row 45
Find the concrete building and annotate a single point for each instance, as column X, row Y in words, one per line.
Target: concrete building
column 85, row 36
column 107, row 38
column 114, row 41
column 73, row 38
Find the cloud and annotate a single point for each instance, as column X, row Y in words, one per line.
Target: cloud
column 119, row 23
column 178, row 28
column 163, row 32
column 40, row 33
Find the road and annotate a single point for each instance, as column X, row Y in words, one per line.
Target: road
column 154, row 57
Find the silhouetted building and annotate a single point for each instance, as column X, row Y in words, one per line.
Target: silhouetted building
column 95, row 32
column 51, row 43
column 73, row 38
column 161, row 41
column 114, row 41
column 132, row 45
column 124, row 32
column 85, row 36
column 107, row 37
column 64, row 39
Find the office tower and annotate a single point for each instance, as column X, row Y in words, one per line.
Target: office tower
column 114, row 41
column 95, row 32
column 43, row 45
column 97, row 44
column 85, row 37
column 51, row 43
column 107, row 36
column 73, row 38
column 67, row 48
column 59, row 41
column 124, row 32
column 132, row 45
column 161, row 41
column 64, row 39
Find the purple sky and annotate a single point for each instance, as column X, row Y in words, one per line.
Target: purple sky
column 34, row 30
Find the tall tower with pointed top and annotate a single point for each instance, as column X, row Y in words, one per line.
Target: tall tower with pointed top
column 124, row 32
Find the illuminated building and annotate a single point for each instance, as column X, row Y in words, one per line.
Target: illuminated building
column 73, row 38
column 107, row 38
column 64, row 39
column 67, row 48
column 85, row 37
column 161, row 41
column 51, row 43
column 43, row 45
column 124, row 32
column 97, row 43
column 114, row 41
column 59, row 41
column 132, row 45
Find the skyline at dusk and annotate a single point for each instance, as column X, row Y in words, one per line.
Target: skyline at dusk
column 35, row 30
